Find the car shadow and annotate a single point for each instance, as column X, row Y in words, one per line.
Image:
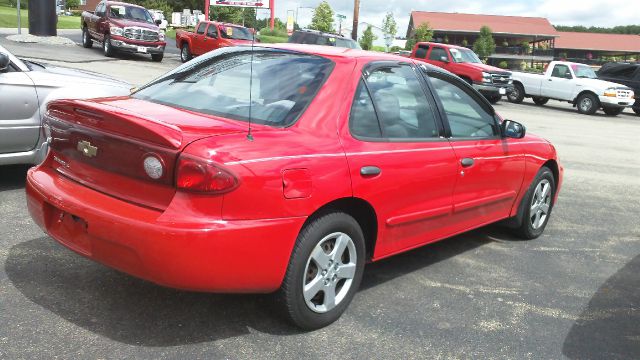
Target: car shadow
column 550, row 106
column 13, row 177
column 609, row 328
column 136, row 312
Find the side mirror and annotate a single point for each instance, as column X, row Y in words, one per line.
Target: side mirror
column 158, row 22
column 444, row 59
column 512, row 129
column 4, row 61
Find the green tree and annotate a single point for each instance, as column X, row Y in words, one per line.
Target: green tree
column 161, row 5
column 367, row 39
column 322, row 18
column 235, row 15
column 422, row 33
column 72, row 4
column 485, row 45
column 390, row 28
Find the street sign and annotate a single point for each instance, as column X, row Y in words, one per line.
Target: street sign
column 340, row 16
column 263, row 4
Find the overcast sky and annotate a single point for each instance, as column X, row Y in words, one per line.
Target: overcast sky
column 559, row 12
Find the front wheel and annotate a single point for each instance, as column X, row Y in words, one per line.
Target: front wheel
column 612, row 111
column 86, row 38
column 107, row 48
column 637, row 111
column 588, row 104
column 157, row 57
column 537, row 203
column 516, row 95
column 494, row 99
column 540, row 100
column 324, row 271
column 185, row 53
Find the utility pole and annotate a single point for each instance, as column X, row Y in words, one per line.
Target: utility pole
column 356, row 12
column 19, row 26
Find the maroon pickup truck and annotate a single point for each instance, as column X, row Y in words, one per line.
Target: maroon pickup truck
column 122, row 27
column 211, row 35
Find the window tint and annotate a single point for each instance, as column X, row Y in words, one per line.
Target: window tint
column 421, row 51
column 212, row 32
column 364, row 122
column 560, row 71
column 402, row 109
column 625, row 72
column 437, row 53
column 467, row 117
column 220, row 84
column 201, row 28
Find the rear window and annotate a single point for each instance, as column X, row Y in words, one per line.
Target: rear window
column 282, row 86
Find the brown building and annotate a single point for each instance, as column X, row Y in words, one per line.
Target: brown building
column 89, row 5
column 597, row 49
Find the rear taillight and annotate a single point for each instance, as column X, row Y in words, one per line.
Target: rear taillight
column 200, row 175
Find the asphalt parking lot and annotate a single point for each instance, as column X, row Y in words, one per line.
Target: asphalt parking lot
column 573, row 293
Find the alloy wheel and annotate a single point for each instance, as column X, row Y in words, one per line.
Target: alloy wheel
column 329, row 272
column 586, row 104
column 540, row 204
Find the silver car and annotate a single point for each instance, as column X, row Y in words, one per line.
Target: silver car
column 25, row 89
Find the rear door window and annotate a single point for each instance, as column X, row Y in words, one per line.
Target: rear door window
column 212, row 32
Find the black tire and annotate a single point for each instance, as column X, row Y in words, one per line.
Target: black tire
column 494, row 99
column 533, row 226
column 588, row 104
column 540, row 100
column 107, row 48
column 612, row 111
column 86, row 38
column 516, row 95
column 185, row 53
column 303, row 271
column 157, row 57
column 637, row 111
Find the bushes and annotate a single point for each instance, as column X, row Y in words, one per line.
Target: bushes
column 503, row 65
column 276, row 32
column 24, row 4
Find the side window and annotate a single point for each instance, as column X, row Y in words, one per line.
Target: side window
column 364, row 122
column 622, row 72
column 467, row 117
column 421, row 51
column 201, row 28
column 100, row 9
column 437, row 53
column 561, row 71
column 401, row 108
column 212, row 32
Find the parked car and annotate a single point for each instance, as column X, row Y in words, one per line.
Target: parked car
column 625, row 74
column 26, row 88
column 492, row 82
column 158, row 15
column 123, row 27
column 210, row 35
column 575, row 83
column 315, row 37
column 286, row 169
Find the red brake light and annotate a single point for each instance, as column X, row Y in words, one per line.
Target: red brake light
column 199, row 175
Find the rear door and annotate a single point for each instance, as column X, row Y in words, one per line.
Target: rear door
column 398, row 160
column 490, row 169
column 19, row 115
column 560, row 85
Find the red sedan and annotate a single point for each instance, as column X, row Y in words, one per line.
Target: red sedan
column 285, row 169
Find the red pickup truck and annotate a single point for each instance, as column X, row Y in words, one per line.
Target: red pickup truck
column 492, row 82
column 123, row 27
column 210, row 35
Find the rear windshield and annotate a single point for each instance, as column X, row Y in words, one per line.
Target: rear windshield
column 220, row 83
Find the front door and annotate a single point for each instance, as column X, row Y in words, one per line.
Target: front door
column 19, row 113
column 439, row 56
column 560, row 84
column 197, row 41
column 398, row 160
column 490, row 168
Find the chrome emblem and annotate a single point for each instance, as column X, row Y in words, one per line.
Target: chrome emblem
column 87, row 149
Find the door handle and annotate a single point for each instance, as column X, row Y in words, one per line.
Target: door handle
column 550, row 80
column 466, row 162
column 370, row 171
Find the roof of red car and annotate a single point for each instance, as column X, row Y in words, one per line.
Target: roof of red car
column 472, row 23
column 598, row 42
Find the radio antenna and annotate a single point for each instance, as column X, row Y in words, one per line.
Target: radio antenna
column 253, row 41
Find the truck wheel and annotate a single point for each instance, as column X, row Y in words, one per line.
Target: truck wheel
column 106, row 46
column 157, row 57
column 540, row 100
column 612, row 111
column 494, row 98
column 516, row 95
column 185, row 53
column 324, row 271
column 588, row 104
column 86, row 38
column 637, row 111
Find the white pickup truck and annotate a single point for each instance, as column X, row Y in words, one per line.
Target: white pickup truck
column 574, row 83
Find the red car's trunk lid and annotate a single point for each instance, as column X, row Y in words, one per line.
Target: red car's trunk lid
column 103, row 144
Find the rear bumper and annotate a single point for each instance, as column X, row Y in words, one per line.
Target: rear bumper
column 127, row 45
column 206, row 254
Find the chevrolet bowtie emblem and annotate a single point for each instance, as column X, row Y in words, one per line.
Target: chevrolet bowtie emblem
column 87, row 149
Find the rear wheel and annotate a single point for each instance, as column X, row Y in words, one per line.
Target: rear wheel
column 537, row 203
column 185, row 53
column 107, row 48
column 612, row 111
column 588, row 104
column 540, row 100
column 517, row 94
column 86, row 38
column 157, row 57
column 324, row 271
